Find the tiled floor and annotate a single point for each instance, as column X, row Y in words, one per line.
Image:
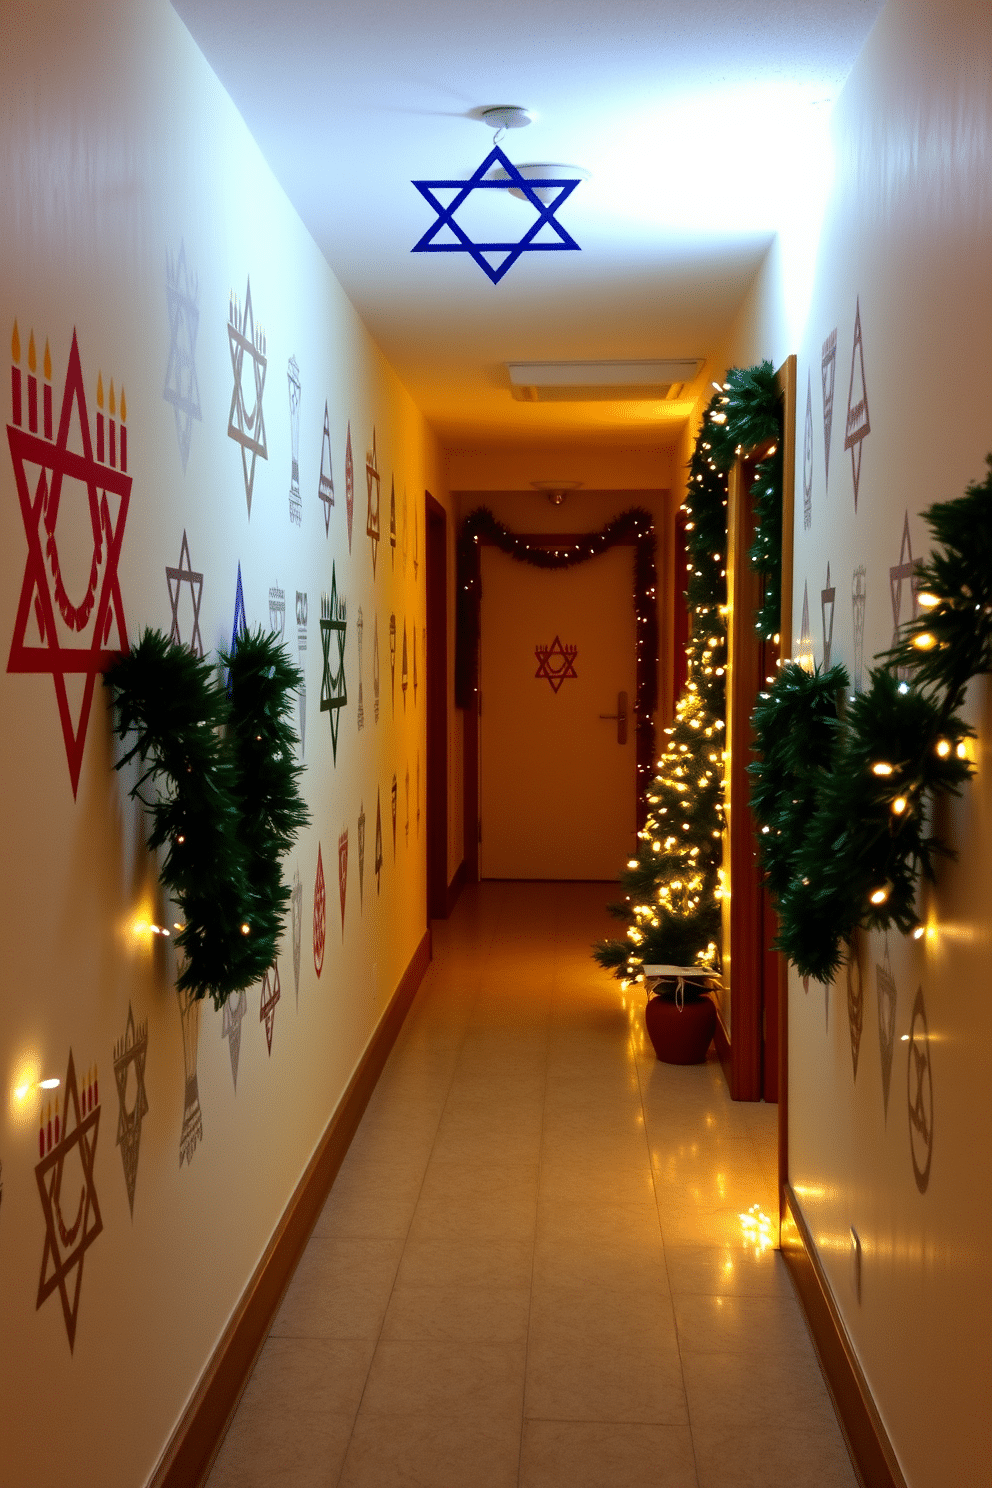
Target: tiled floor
column 532, row 1269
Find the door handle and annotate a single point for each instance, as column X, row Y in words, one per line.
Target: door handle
column 621, row 717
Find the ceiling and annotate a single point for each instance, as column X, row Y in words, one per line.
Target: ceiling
column 703, row 130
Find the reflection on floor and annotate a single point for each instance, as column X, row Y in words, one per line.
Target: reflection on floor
column 537, row 1265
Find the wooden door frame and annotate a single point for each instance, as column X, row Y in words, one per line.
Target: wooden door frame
column 436, row 668
column 741, row 1045
column 472, row 734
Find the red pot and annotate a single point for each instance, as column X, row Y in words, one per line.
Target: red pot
column 681, row 1035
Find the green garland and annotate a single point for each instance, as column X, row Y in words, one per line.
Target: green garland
column 848, row 849
column 228, row 803
column 671, row 904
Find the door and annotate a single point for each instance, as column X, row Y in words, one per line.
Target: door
column 557, row 765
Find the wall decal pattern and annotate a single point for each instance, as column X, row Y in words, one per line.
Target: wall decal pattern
column 404, row 668
column 555, row 663
column 855, row 1004
column 828, row 377
column 392, row 661
column 66, row 1244
column 805, row 656
column 295, row 397
column 176, row 577
column 182, row 390
column 325, row 486
column 414, row 666
column 903, row 572
column 130, row 1054
column 808, row 456
column 828, row 598
column 418, row 792
column 49, row 647
column 296, row 907
column 405, row 530
column 343, row 873
column 919, row 1095
column 232, row 1017
column 378, row 841
column 372, row 519
column 361, row 854
column 359, row 631
column 240, row 622
column 319, row 915
column 333, row 687
column 375, row 668
column 858, row 423
column 406, row 813
column 392, row 797
column 246, row 421
column 887, row 999
column 392, row 522
column 192, row 1127
column 277, row 612
column 271, row 993
column 859, row 597
column 349, row 485
column 302, row 613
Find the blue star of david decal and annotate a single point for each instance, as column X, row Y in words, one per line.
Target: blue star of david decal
column 240, row 625
column 512, row 180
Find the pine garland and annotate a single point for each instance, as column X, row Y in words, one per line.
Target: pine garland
column 227, row 803
column 864, row 845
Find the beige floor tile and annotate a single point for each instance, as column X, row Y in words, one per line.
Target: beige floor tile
column 611, row 1379
column 432, row 1452
column 726, row 1271
column 581, row 1184
column 295, row 1419
column 572, row 1314
column 374, row 1200
column 495, row 1263
column 633, row 1224
column 756, row 1389
column 340, row 1290
column 474, row 1381
column 804, row 1453
column 596, row 1454
column 741, row 1325
column 481, row 1314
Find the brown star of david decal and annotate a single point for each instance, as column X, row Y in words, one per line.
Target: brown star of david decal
column 319, row 915
column 271, row 993
column 175, row 578
column 130, row 1054
column 67, row 1244
column 372, row 520
column 919, row 1080
column 230, row 1028
column 102, row 606
column 343, row 873
column 246, row 426
column 556, row 662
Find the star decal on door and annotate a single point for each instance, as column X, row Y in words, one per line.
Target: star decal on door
column 556, row 662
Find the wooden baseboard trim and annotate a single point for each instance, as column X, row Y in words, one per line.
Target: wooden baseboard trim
column 197, row 1438
column 455, row 886
column 872, row 1454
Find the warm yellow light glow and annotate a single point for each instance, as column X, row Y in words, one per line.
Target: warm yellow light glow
column 246, row 929
column 52, row 1084
column 879, row 896
column 881, row 768
column 919, row 932
column 943, row 748
column 757, row 1230
column 632, row 863
column 899, row 805
column 927, row 601
column 924, row 641
column 962, row 750
column 22, row 1087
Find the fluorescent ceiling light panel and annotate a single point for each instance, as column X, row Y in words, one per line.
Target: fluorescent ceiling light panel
column 594, row 382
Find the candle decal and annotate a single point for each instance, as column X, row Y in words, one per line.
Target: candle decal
column 15, row 375
column 99, row 417
column 48, row 1128
column 41, row 1133
column 47, row 364
column 123, row 431
column 96, row 1087
column 57, row 1130
column 113, row 425
column 32, row 386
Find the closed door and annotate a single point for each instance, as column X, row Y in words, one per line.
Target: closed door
column 557, row 767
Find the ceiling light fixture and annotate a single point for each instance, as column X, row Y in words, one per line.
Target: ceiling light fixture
column 597, row 382
column 556, row 491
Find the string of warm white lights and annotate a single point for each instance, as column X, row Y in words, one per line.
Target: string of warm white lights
column 631, row 527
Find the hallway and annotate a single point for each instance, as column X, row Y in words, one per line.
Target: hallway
column 532, row 1268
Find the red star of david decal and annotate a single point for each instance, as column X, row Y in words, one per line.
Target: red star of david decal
column 343, row 873
column 102, row 606
column 556, row 662
column 319, row 915
column 66, row 1244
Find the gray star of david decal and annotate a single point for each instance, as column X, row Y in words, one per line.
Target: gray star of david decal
column 333, row 687
column 181, row 387
column 510, row 179
column 176, row 577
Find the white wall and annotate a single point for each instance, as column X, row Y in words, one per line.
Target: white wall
column 906, row 236
column 120, row 151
